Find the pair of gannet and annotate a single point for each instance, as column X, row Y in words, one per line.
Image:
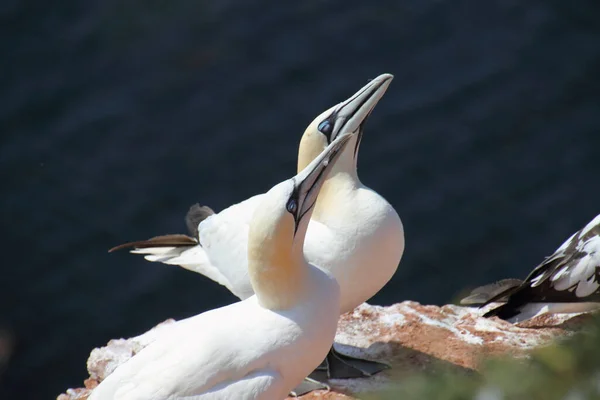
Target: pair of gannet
column 566, row 282
column 354, row 233
column 261, row 347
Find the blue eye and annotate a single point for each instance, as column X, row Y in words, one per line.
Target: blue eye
column 325, row 127
column 292, row 206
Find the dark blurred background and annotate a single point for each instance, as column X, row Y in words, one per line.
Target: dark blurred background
column 116, row 116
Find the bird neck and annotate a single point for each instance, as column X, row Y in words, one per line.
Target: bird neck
column 311, row 147
column 335, row 196
column 347, row 162
column 341, row 181
column 340, row 185
column 278, row 272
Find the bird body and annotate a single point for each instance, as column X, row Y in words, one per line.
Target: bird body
column 209, row 356
column 265, row 345
column 360, row 241
column 354, row 234
column 568, row 281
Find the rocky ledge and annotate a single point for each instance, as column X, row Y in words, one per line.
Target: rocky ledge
column 409, row 336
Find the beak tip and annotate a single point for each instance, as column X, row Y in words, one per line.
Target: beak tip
column 387, row 77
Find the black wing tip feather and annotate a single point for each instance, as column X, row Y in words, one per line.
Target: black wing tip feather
column 505, row 311
column 195, row 215
column 482, row 294
column 524, row 294
column 517, row 298
column 176, row 240
column 504, row 295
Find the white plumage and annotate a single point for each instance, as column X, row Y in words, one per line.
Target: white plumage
column 354, row 233
column 259, row 348
column 222, row 255
column 567, row 281
column 241, row 351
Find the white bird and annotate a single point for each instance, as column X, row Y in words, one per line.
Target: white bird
column 566, row 282
column 354, row 233
column 261, row 347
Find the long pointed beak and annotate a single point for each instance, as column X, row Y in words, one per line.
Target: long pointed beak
column 357, row 108
column 308, row 182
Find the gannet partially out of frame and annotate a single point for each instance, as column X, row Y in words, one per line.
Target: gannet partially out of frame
column 566, row 282
column 261, row 347
column 354, row 232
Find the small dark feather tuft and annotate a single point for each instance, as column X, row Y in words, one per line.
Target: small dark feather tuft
column 195, row 215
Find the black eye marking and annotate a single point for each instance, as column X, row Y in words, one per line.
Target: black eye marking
column 292, row 206
column 326, row 127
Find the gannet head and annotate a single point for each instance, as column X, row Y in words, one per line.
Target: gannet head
column 348, row 116
column 276, row 263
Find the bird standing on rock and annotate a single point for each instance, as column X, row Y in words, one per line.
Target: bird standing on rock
column 566, row 282
column 354, row 233
column 261, row 347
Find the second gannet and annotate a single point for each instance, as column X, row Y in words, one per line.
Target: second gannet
column 261, row 347
column 566, row 282
column 354, row 232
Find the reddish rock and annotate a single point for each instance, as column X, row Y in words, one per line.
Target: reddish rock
column 408, row 336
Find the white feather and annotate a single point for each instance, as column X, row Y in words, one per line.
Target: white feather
column 224, row 240
column 532, row 310
column 564, row 246
column 259, row 348
column 358, row 237
column 592, row 224
column 366, row 232
column 572, row 269
column 241, row 351
column 583, row 272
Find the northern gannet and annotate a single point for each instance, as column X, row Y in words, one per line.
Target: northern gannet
column 354, row 232
column 261, row 347
column 566, row 282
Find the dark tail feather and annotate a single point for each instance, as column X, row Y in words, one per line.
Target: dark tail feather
column 195, row 215
column 504, row 295
column 518, row 297
column 505, row 311
column 176, row 240
column 483, row 294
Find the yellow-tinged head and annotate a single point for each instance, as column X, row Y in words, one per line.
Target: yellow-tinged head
column 276, row 263
column 348, row 116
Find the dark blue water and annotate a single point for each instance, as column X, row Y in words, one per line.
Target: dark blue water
column 117, row 116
